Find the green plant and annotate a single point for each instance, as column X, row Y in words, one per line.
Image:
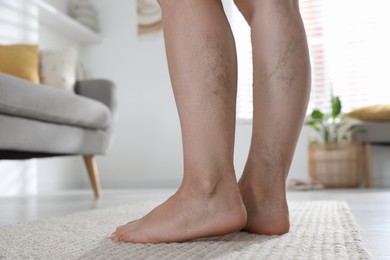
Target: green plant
column 332, row 127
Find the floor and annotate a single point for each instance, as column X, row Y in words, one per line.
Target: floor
column 370, row 207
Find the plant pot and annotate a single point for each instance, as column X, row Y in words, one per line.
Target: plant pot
column 337, row 165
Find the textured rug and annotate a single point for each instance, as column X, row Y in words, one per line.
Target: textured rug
column 319, row 230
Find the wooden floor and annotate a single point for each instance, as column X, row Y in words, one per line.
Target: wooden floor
column 370, row 207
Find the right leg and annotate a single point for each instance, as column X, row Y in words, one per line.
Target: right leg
column 202, row 65
column 281, row 87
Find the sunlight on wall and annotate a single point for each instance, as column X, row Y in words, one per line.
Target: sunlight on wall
column 18, row 178
column 18, row 24
column 358, row 49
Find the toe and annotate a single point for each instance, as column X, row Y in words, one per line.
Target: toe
column 120, row 232
column 117, row 233
column 114, row 236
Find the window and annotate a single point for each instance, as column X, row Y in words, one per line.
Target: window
column 242, row 35
column 349, row 44
column 18, row 22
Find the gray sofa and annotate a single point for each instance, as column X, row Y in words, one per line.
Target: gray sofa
column 374, row 133
column 40, row 121
column 377, row 133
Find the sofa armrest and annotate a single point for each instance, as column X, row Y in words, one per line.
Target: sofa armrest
column 99, row 89
column 374, row 132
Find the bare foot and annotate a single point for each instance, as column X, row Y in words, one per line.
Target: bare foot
column 191, row 213
column 266, row 205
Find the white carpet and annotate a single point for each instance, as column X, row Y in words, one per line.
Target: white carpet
column 319, row 230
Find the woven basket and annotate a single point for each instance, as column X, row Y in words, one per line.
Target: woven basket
column 337, row 165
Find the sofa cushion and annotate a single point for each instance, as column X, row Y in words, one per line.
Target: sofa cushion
column 22, row 98
column 58, row 68
column 374, row 132
column 20, row 60
column 22, row 134
column 376, row 112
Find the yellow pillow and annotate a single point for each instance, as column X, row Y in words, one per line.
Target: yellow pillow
column 20, row 60
column 378, row 112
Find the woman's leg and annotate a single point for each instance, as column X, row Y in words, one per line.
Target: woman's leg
column 202, row 64
column 281, row 88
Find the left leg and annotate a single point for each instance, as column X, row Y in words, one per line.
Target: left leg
column 202, row 64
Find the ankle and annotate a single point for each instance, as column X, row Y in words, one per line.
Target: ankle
column 262, row 184
column 208, row 182
column 265, row 172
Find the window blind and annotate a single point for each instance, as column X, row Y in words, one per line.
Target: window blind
column 349, row 47
column 356, row 41
column 312, row 15
column 18, row 22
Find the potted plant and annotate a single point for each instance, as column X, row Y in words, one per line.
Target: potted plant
column 334, row 159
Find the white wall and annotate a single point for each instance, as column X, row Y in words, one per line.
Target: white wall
column 19, row 23
column 146, row 151
column 59, row 172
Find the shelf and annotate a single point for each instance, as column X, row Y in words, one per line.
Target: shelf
column 64, row 24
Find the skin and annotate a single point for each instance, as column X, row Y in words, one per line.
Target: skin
column 281, row 90
column 203, row 69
